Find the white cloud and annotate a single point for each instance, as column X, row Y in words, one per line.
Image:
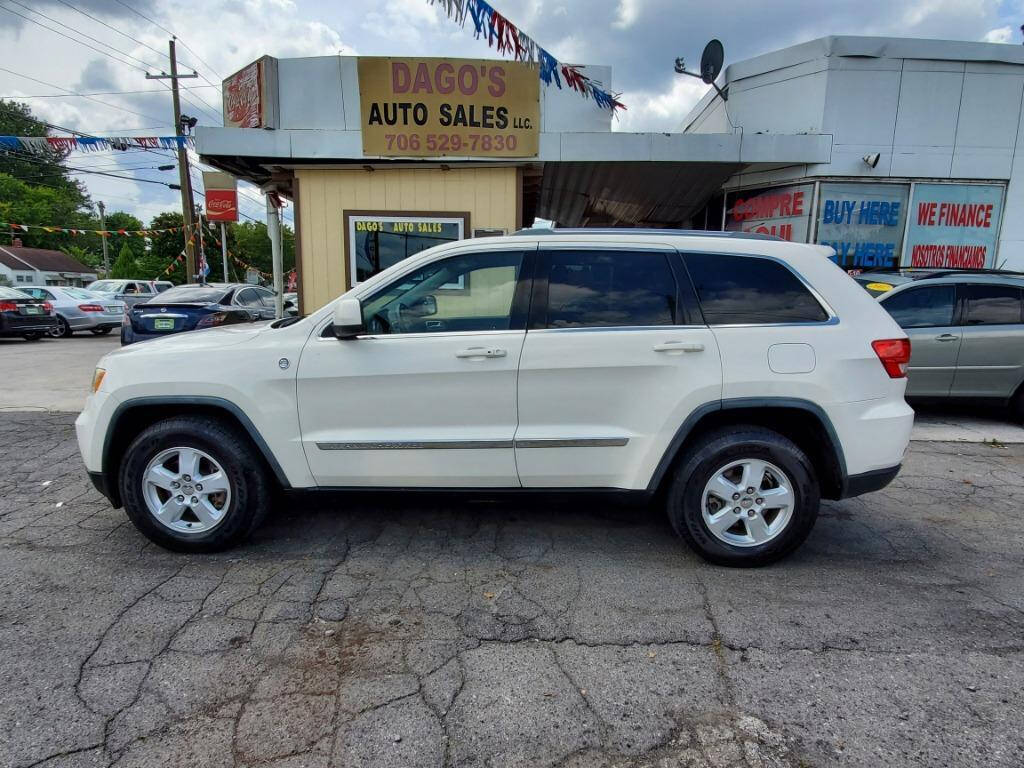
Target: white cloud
column 628, row 11
column 652, row 111
column 999, row 35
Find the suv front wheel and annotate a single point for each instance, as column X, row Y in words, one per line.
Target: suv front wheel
column 744, row 496
column 193, row 484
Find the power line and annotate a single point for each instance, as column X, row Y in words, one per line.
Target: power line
column 102, row 93
column 115, row 29
column 172, row 34
column 72, row 39
column 73, row 93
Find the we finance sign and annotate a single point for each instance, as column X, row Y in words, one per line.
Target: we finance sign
column 954, row 225
column 448, row 107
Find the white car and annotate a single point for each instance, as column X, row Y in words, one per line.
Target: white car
column 746, row 377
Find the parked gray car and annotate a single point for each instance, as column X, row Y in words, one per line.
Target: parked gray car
column 78, row 309
column 131, row 292
column 966, row 332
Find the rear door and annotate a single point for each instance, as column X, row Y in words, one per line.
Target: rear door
column 991, row 361
column 927, row 314
column 614, row 361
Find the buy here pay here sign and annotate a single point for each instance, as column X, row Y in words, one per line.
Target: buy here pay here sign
column 421, row 107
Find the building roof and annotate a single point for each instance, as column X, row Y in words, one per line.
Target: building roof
column 42, row 259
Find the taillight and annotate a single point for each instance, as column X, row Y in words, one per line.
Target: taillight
column 90, row 307
column 48, row 307
column 894, row 354
column 8, row 306
column 217, row 318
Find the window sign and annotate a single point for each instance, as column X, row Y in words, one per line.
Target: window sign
column 954, row 225
column 378, row 241
column 780, row 211
column 863, row 222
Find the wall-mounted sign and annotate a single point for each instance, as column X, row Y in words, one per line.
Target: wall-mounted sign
column 863, row 222
column 448, row 107
column 954, row 225
column 780, row 211
column 221, row 196
column 376, row 240
column 250, row 95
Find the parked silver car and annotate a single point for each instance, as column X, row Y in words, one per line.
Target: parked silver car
column 78, row 309
column 131, row 292
column 967, row 335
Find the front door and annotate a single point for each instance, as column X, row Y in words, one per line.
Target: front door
column 614, row 361
column 991, row 362
column 427, row 398
column 926, row 313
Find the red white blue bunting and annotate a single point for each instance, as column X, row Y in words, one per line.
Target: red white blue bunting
column 62, row 145
column 510, row 40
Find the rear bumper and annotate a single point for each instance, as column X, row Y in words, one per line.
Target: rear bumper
column 866, row 482
column 93, row 322
column 19, row 326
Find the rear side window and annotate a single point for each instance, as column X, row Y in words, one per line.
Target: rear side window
column 924, row 307
column 609, row 288
column 991, row 305
column 750, row 290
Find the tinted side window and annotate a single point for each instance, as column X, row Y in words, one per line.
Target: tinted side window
column 747, row 289
column 468, row 292
column 991, row 305
column 924, row 307
column 248, row 298
column 609, row 288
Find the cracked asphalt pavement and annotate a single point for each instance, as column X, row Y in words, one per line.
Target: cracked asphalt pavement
column 410, row 631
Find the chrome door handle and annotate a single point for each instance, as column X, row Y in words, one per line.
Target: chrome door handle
column 946, row 337
column 481, row 352
column 679, row 346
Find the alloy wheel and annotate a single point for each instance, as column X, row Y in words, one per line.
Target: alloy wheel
column 747, row 502
column 186, row 490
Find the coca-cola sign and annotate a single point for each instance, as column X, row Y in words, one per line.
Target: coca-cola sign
column 250, row 95
column 221, row 196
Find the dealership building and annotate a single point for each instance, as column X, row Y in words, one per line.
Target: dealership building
column 891, row 151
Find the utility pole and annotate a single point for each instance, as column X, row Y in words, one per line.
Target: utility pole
column 224, row 248
column 202, row 247
column 185, row 180
column 103, row 226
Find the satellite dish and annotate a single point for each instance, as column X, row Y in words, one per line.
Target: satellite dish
column 711, row 61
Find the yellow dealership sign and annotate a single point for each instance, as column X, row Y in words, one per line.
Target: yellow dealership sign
column 448, row 107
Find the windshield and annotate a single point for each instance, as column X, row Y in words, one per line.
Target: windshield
column 104, row 286
column 10, row 293
column 193, row 294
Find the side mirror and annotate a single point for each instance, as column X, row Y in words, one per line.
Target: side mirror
column 348, row 319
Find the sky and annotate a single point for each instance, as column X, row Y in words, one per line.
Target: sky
column 118, row 41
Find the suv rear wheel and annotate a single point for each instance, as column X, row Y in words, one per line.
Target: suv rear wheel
column 194, row 484
column 744, row 496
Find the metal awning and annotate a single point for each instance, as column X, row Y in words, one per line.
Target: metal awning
column 660, row 194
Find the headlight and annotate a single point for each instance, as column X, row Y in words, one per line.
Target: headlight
column 97, row 379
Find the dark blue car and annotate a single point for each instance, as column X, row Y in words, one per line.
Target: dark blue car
column 192, row 307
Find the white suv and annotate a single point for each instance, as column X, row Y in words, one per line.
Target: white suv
column 745, row 377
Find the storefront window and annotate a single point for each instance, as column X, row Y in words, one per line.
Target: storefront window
column 378, row 241
column 780, row 211
column 954, row 225
column 863, row 222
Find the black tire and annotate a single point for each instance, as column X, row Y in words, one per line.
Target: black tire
column 33, row 336
column 251, row 489
column 715, row 450
column 1017, row 405
column 100, row 331
column 62, row 330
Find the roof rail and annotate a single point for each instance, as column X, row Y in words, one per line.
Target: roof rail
column 643, row 231
column 946, row 272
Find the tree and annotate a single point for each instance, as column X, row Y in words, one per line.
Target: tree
column 124, row 267
column 164, row 249
column 24, row 203
column 254, row 245
column 90, row 258
column 40, row 171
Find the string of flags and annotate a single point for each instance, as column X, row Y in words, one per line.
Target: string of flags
column 510, row 40
column 14, row 227
column 64, row 144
